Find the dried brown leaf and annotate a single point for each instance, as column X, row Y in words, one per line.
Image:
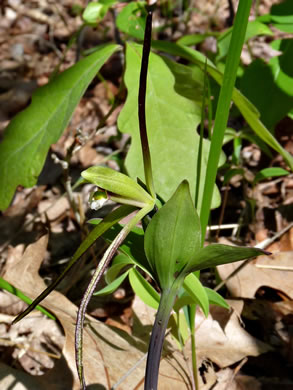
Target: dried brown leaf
column 222, row 339
column 250, row 278
column 108, row 354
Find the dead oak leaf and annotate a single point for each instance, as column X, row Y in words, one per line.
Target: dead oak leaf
column 251, row 277
column 108, row 354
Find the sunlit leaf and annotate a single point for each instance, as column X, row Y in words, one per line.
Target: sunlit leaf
column 172, row 237
column 215, row 298
column 267, row 173
column 121, row 187
column 31, row 132
column 96, row 11
column 198, row 293
column 254, row 28
column 174, row 95
column 4, row 285
column 131, row 19
column 216, row 254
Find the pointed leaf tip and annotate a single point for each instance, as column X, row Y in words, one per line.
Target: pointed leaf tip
column 173, row 236
column 217, row 254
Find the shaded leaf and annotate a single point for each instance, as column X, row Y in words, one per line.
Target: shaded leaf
column 198, row 293
column 143, row 289
column 119, row 262
column 132, row 247
column 110, row 220
column 247, row 109
column 282, row 13
column 113, row 285
column 273, row 96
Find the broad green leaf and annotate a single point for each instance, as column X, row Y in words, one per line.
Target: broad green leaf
column 172, row 237
column 282, row 13
column 288, row 28
column 247, row 109
column 30, row 133
column 131, row 19
column 215, row 298
column 15, row 291
column 194, row 39
column 96, row 11
column 274, row 93
column 123, row 189
column 172, row 117
column 267, row 173
column 217, row 254
column 254, row 28
column 119, row 262
column 281, row 16
column 198, row 293
column 143, row 289
column 113, row 285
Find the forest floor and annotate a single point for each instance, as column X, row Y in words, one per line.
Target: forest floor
column 248, row 347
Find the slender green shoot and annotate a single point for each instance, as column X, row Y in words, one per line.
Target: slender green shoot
column 222, row 113
column 15, row 291
column 192, row 313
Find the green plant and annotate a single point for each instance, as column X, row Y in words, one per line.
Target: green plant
column 173, row 241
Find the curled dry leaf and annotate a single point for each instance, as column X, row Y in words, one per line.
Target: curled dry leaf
column 248, row 280
column 222, row 340
column 108, row 354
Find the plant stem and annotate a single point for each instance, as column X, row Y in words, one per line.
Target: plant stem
column 141, row 105
column 157, row 337
column 192, row 313
column 93, row 283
